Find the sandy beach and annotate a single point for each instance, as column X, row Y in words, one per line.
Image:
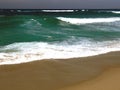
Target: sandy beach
column 90, row 73
column 109, row 80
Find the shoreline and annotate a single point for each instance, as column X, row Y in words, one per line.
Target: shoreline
column 30, row 61
column 56, row 74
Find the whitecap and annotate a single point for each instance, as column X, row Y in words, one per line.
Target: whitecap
column 79, row 21
column 31, row 51
column 58, row 10
column 116, row 12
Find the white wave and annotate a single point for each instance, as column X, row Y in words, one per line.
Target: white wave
column 88, row 20
column 58, row 10
column 116, row 12
column 82, row 10
column 25, row 52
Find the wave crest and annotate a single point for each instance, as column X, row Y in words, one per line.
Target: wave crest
column 79, row 21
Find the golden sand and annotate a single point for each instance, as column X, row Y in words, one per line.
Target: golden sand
column 68, row 74
column 109, row 80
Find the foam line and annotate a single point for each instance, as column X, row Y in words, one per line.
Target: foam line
column 26, row 52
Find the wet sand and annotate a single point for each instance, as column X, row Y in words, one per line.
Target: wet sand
column 68, row 74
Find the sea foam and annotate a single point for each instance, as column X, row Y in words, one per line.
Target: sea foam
column 30, row 51
column 116, row 12
column 58, row 10
column 79, row 21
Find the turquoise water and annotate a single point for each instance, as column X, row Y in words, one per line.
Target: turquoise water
column 25, row 38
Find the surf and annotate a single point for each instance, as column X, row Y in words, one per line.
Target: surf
column 116, row 12
column 27, row 38
column 79, row 21
column 17, row 53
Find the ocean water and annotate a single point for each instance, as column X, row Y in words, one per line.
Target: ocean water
column 25, row 38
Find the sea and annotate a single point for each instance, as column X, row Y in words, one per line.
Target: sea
column 26, row 38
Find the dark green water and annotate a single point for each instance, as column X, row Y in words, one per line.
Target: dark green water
column 61, row 34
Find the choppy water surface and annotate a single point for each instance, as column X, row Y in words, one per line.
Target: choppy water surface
column 25, row 38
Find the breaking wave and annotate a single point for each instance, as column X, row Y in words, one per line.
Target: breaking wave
column 30, row 51
column 88, row 20
column 116, row 12
column 58, row 10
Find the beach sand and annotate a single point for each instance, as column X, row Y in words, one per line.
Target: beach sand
column 109, row 80
column 100, row 72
